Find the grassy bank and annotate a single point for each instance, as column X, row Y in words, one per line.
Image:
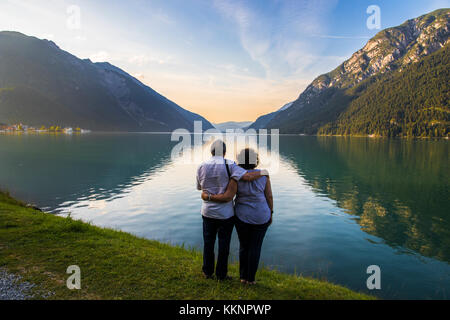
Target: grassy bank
column 117, row 265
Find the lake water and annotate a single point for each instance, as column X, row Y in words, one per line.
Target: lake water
column 341, row 204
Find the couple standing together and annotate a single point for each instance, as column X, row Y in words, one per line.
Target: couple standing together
column 221, row 180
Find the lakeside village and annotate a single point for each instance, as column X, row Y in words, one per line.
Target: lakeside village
column 22, row 128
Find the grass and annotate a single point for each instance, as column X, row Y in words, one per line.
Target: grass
column 116, row 265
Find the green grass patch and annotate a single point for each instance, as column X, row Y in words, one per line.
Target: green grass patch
column 116, row 265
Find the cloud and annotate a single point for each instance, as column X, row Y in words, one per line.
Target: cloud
column 32, row 6
column 252, row 31
column 162, row 17
column 139, row 76
column 143, row 59
column 80, row 38
column 49, row 36
column 305, row 17
column 101, row 56
column 325, row 36
column 139, row 60
column 279, row 41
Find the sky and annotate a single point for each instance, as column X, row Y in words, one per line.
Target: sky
column 227, row 60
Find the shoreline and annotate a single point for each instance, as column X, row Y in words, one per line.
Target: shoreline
column 38, row 247
column 18, row 133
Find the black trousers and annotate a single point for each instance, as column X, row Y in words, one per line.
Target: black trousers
column 251, row 239
column 222, row 229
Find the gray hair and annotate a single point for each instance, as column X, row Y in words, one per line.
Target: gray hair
column 218, row 148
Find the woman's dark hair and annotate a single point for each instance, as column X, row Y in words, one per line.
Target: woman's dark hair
column 218, row 148
column 248, row 159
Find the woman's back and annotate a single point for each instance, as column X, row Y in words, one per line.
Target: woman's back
column 251, row 204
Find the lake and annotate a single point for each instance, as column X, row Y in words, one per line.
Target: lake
column 341, row 204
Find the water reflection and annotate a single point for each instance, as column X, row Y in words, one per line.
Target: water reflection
column 58, row 171
column 340, row 204
column 397, row 190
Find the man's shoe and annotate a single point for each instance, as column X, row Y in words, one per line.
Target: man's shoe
column 210, row 276
column 226, row 278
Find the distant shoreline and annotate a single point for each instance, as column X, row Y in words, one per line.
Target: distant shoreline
column 224, row 133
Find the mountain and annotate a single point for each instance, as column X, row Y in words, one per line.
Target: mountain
column 411, row 103
column 264, row 120
column 232, row 125
column 40, row 84
column 397, row 85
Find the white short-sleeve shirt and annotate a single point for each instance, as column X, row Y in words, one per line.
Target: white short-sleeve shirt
column 212, row 177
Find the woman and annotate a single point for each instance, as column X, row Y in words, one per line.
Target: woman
column 253, row 210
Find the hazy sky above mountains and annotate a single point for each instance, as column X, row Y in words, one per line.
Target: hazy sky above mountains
column 225, row 59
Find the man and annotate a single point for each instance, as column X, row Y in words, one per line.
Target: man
column 213, row 177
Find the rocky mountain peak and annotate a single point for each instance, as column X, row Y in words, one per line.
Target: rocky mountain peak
column 404, row 54
column 390, row 49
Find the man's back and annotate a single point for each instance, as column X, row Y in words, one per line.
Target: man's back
column 212, row 177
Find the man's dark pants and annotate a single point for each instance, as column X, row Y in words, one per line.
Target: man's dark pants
column 211, row 229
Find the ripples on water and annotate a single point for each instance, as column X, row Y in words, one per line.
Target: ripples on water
column 340, row 204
